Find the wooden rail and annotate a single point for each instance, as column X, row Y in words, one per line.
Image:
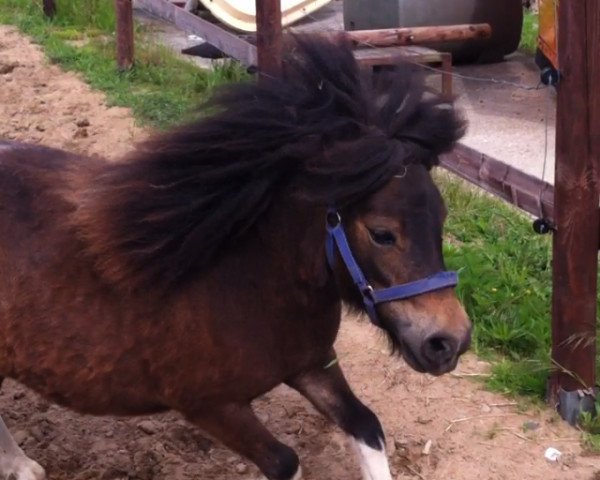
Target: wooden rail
column 225, row 41
column 524, row 191
column 418, row 35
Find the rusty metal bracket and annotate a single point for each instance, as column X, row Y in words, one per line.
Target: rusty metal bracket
column 572, row 404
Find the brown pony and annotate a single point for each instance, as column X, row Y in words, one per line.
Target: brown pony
column 193, row 275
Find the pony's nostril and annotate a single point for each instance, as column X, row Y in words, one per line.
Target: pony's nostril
column 439, row 349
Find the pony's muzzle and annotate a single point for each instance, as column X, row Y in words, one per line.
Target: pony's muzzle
column 440, row 351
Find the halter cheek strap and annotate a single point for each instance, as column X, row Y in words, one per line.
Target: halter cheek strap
column 336, row 237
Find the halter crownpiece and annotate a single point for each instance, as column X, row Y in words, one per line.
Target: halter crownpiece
column 336, row 237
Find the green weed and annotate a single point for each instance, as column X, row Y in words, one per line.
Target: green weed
column 529, row 34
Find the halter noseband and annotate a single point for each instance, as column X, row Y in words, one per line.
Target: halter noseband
column 371, row 297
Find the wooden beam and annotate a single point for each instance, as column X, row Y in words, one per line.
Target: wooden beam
column 229, row 43
column 125, row 41
column 575, row 247
column 524, row 191
column 418, row 35
column 269, row 36
column 50, row 8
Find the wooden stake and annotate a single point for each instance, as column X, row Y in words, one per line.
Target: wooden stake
column 125, row 42
column 49, row 8
column 576, row 214
column 269, row 36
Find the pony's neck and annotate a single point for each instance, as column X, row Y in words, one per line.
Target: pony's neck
column 294, row 231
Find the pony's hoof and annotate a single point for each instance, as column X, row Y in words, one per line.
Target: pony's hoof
column 24, row 468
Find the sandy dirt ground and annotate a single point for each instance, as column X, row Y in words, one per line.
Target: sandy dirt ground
column 438, row 428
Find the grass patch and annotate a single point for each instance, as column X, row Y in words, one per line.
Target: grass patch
column 529, row 35
column 589, row 422
column 161, row 90
column 505, row 285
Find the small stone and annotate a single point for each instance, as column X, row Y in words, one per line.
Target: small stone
column 37, row 433
column 427, row 447
column 6, row 68
column 391, row 448
column 529, row 426
column 81, row 133
column 485, row 408
column 263, row 417
column 21, row 437
column 148, row 426
column 241, row 468
column 292, row 428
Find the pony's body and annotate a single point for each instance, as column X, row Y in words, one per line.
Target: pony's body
column 94, row 342
column 193, row 275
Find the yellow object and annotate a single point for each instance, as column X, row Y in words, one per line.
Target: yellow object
column 241, row 14
column 547, row 39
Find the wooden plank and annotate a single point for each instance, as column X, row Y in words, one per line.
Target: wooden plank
column 575, row 244
column 50, row 8
column 227, row 42
column 418, row 35
column 125, row 41
column 524, row 191
column 391, row 55
column 269, row 36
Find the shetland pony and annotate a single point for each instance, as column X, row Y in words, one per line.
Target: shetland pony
column 211, row 264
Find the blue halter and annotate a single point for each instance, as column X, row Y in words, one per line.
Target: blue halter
column 371, row 297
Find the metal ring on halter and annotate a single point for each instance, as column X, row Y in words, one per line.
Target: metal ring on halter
column 333, row 218
column 367, row 291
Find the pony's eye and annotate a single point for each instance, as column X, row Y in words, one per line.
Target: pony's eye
column 382, row 237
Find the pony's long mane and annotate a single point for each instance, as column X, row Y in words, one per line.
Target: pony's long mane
column 323, row 131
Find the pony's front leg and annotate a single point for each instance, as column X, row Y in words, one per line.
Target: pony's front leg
column 14, row 464
column 327, row 389
column 239, row 429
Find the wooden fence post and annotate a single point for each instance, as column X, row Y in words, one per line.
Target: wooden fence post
column 576, row 213
column 125, row 43
column 269, row 36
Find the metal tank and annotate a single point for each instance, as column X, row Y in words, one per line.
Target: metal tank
column 505, row 17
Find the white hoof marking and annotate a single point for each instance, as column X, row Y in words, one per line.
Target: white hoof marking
column 373, row 463
column 298, row 475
